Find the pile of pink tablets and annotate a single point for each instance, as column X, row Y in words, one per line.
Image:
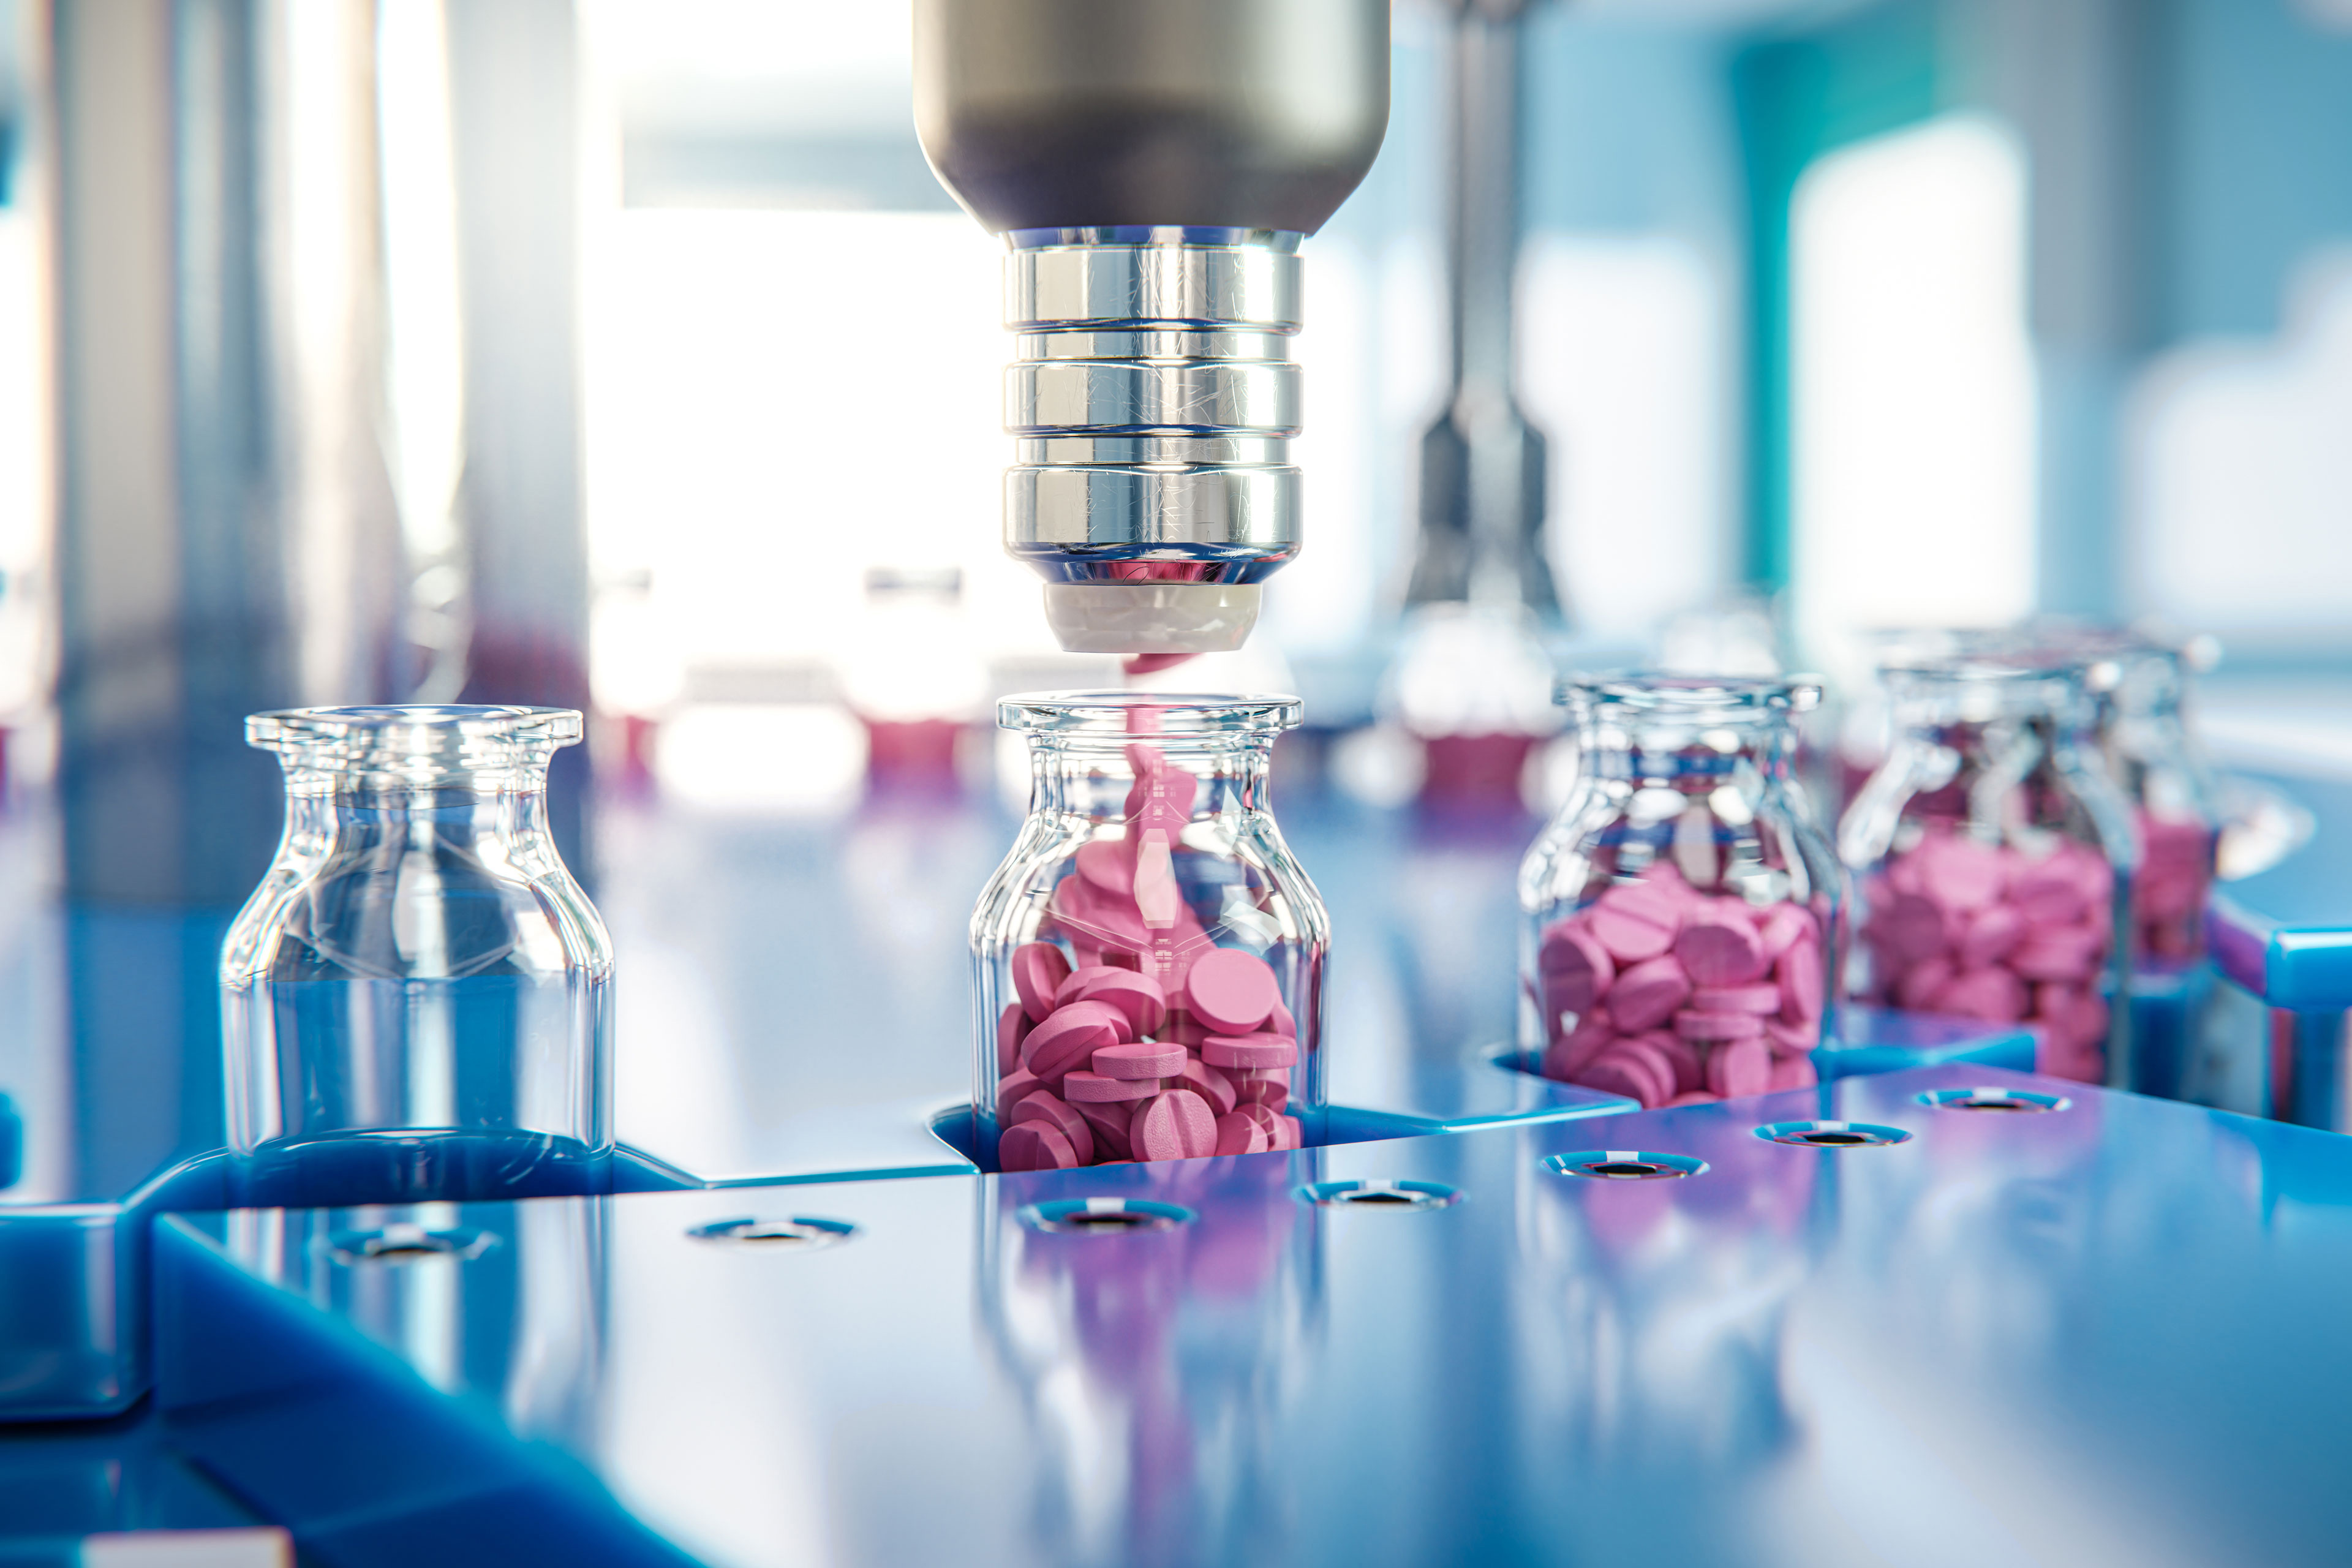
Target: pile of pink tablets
column 1674, row 996
column 1101, row 1064
column 1985, row 931
column 2168, row 890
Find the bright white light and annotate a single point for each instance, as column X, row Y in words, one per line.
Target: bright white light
column 420, row 259
column 1914, row 385
column 23, row 462
column 1621, row 363
column 2241, row 468
column 777, row 401
column 752, row 757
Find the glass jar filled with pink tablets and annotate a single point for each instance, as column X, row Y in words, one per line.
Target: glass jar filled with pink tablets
column 1149, row 958
column 1994, row 856
column 1681, row 913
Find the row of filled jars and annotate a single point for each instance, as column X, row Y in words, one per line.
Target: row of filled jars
column 1150, row 957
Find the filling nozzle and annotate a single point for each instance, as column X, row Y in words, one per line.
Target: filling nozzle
column 1153, row 400
column 1153, row 165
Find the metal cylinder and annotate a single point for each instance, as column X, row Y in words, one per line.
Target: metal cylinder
column 1155, row 399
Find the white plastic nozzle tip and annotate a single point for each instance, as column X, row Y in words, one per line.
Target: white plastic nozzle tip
column 1151, row 617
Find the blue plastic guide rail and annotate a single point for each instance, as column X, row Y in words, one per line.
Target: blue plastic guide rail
column 2045, row 1324
column 2285, row 934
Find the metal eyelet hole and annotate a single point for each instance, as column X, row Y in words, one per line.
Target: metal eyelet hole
column 404, row 1242
column 2011, row 1102
column 1626, row 1166
column 798, row 1233
column 1103, row 1216
column 1380, row 1194
column 1831, row 1134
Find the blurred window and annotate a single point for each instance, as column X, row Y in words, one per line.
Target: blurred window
column 1914, row 385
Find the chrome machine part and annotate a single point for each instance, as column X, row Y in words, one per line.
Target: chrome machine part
column 1483, row 462
column 1153, row 166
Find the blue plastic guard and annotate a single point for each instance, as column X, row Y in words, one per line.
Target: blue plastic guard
column 2285, row 934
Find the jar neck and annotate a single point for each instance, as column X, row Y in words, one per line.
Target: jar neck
column 1090, row 776
column 1673, row 751
column 507, row 801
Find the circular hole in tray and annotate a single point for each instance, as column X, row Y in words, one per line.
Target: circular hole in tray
column 1626, row 1166
column 798, row 1233
column 1397, row 1195
column 1831, row 1134
column 407, row 1243
column 1104, row 1216
column 2001, row 1101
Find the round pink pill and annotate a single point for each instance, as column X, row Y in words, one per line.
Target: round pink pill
column 1647, row 994
column 1140, row 1059
column 1280, row 1022
column 1231, row 990
column 1139, row 996
column 1038, row 971
column 1104, row 863
column 1784, row 924
column 1995, row 996
column 1109, row 1122
column 1791, row 1039
column 1267, row 1118
column 1691, row 1097
column 1693, row 1026
column 1177, row 1125
column 1293, row 1132
column 1614, row 1072
column 1269, row 1086
column 1093, row 1088
column 1792, row 1072
column 1593, row 1031
column 1990, row 935
column 1634, row 920
column 1576, row 968
column 1719, row 947
column 1240, row 1135
column 1919, row 984
column 1249, row 1051
column 1758, row 999
column 1208, row 1083
column 1069, row 1036
column 2059, row 953
column 1012, row 1088
column 1960, row 873
column 1036, row 1146
column 1012, row 1025
column 1051, row 1108
column 1802, row 985
column 1739, row 1069
column 1688, row 1064
column 1912, row 927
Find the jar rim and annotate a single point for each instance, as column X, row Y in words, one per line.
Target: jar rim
column 1104, row 714
column 416, row 733
column 1675, row 690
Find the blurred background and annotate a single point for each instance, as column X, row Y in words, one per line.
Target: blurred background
column 623, row 355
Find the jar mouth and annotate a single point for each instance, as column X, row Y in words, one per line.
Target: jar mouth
column 406, row 738
column 1688, row 695
column 1109, row 715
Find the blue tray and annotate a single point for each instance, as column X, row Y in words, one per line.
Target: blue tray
column 2101, row 1334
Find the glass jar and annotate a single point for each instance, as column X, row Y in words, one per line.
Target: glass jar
column 1149, row 958
column 1680, row 916
column 1993, row 857
column 416, row 999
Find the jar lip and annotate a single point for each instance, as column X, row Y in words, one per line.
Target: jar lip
column 1678, row 691
column 1104, row 714
column 420, row 731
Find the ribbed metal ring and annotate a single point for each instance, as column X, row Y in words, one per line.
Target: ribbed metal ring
column 1122, row 397
column 1249, row 287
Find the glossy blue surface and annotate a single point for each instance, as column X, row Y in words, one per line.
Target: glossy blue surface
column 2109, row 1334
column 2285, row 934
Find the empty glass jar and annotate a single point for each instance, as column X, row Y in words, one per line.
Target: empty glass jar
column 1993, row 857
column 1149, row 959
column 417, row 998
column 1681, row 913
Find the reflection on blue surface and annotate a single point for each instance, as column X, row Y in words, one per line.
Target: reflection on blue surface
column 2106, row 1333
